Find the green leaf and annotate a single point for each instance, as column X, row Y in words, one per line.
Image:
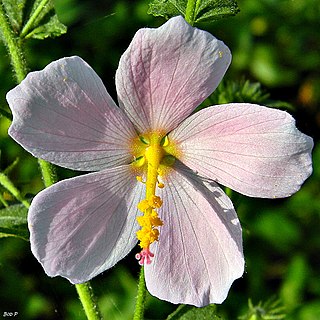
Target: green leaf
column 212, row 10
column 271, row 309
column 13, row 222
column 167, row 8
column 206, row 10
column 34, row 18
column 242, row 91
column 186, row 312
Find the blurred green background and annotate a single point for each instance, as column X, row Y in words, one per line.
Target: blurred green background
column 274, row 42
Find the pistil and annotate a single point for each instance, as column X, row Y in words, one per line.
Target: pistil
column 153, row 155
column 150, row 220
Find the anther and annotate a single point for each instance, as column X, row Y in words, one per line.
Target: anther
column 143, row 205
column 160, row 185
column 159, row 181
column 155, row 202
column 155, row 220
column 140, row 179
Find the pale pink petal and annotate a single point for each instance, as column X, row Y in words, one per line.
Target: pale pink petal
column 199, row 253
column 255, row 150
column 82, row 226
column 64, row 114
column 167, row 72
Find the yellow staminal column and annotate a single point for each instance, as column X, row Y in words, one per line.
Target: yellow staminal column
column 150, row 220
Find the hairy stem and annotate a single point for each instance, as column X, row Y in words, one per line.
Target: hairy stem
column 14, row 47
column 88, row 301
column 141, row 297
column 48, row 172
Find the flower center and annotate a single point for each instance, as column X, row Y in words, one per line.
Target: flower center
column 152, row 158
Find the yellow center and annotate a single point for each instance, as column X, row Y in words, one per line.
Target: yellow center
column 153, row 157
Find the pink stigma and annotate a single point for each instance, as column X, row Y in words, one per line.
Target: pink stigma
column 144, row 256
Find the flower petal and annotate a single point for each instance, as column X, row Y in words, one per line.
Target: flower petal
column 199, row 253
column 167, row 72
column 82, row 226
column 252, row 149
column 64, row 114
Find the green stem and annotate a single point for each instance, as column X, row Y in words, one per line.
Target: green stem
column 13, row 44
column 88, row 301
column 48, row 172
column 7, row 184
column 141, row 297
column 190, row 11
column 33, row 18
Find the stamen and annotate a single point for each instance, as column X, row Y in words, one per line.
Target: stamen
column 140, row 179
column 155, row 202
column 155, row 158
column 155, row 220
column 160, row 185
column 160, row 172
column 143, row 205
column 146, row 236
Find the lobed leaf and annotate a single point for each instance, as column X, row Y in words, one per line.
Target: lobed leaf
column 167, row 8
column 211, row 10
column 34, row 18
column 243, row 91
column 206, row 10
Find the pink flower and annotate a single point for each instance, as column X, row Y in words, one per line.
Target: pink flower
column 152, row 154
